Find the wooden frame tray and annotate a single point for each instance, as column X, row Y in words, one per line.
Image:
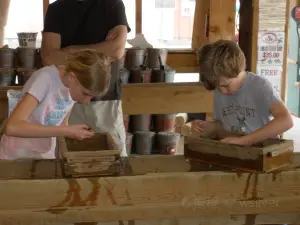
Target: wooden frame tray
column 267, row 156
column 96, row 156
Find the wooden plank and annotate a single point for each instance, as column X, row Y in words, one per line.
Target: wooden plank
column 155, row 196
column 222, row 20
column 134, row 165
column 184, row 61
column 288, row 218
column 140, row 98
column 166, row 98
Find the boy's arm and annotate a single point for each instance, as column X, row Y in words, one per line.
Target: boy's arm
column 282, row 122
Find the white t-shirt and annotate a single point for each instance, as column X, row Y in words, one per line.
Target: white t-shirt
column 54, row 104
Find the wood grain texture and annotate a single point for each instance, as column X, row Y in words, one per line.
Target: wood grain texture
column 156, row 196
column 166, row 98
column 266, row 156
column 222, row 20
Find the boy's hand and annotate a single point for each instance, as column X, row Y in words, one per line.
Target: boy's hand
column 236, row 140
column 199, row 125
column 79, row 132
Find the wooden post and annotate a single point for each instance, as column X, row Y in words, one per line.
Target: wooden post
column 285, row 50
column 138, row 16
column 45, row 7
column 255, row 24
column 200, row 23
column 222, row 20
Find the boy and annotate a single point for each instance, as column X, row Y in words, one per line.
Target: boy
column 243, row 102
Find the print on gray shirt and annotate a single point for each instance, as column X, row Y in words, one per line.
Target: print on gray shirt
column 248, row 109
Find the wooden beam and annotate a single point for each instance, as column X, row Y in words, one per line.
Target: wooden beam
column 222, row 20
column 166, row 98
column 255, row 25
column 134, row 165
column 289, row 6
column 200, row 22
column 150, row 98
column 261, row 219
column 245, row 31
column 45, row 7
column 138, row 16
column 183, row 61
column 156, row 196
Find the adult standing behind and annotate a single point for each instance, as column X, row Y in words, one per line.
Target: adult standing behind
column 72, row 25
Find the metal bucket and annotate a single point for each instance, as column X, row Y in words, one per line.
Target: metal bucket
column 140, row 75
column 26, row 57
column 144, row 142
column 167, row 142
column 163, row 75
column 153, row 55
column 134, row 58
column 27, row 39
column 7, row 77
column 7, row 57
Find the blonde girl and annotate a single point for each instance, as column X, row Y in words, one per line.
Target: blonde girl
column 47, row 99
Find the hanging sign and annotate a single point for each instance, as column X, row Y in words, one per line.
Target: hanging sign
column 270, row 57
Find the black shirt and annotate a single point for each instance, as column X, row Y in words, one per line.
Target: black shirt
column 87, row 22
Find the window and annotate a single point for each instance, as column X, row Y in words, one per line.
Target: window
column 168, row 23
column 23, row 16
column 130, row 13
column 186, row 77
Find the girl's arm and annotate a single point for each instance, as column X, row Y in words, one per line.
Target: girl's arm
column 18, row 126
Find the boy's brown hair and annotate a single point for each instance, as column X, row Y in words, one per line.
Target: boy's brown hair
column 92, row 69
column 222, row 58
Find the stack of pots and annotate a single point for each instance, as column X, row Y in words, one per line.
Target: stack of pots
column 146, row 133
column 19, row 64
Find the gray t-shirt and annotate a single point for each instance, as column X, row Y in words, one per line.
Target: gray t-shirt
column 248, row 109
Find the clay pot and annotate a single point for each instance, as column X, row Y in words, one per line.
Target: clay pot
column 134, row 57
column 144, row 142
column 7, row 57
column 26, row 57
column 156, row 57
column 167, row 142
column 140, row 75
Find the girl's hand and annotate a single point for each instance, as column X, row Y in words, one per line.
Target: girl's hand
column 79, row 132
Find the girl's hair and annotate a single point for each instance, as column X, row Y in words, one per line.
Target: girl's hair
column 92, row 69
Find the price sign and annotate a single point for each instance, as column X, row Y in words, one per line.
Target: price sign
column 270, row 51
